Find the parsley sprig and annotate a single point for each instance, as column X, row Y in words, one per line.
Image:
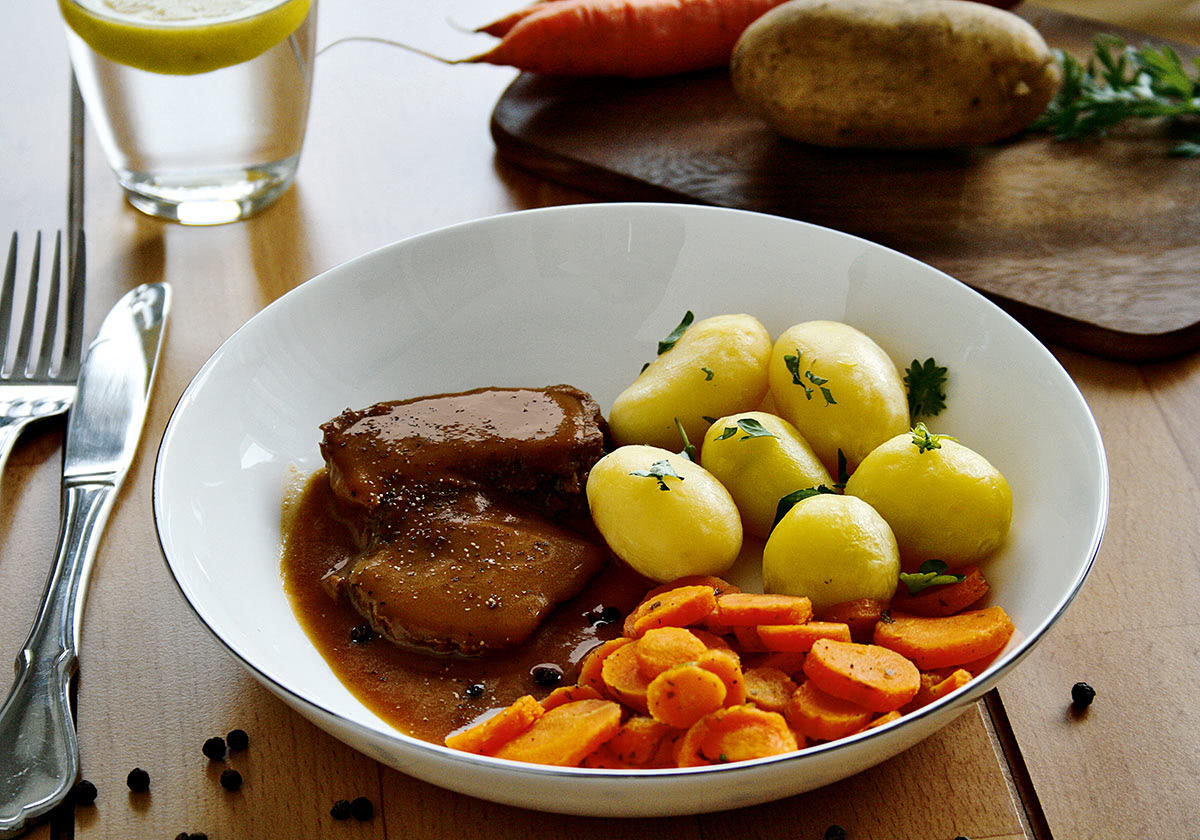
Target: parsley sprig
column 926, row 440
column 659, row 471
column 1119, row 83
column 749, row 427
column 792, row 363
column 931, row 573
column 925, row 383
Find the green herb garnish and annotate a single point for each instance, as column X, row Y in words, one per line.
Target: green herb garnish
column 843, row 470
column 659, row 471
column 708, row 374
column 689, row 449
column 926, row 440
column 1120, row 83
column 792, row 363
column 795, row 497
column 931, row 573
column 677, row 333
column 751, row 427
column 926, row 386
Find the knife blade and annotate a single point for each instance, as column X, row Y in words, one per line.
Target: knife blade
column 37, row 733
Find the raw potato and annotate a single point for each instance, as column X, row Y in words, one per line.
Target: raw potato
column 691, row 528
column 759, row 471
column 870, row 404
column 717, row 367
column 894, row 73
column 832, row 549
column 948, row 504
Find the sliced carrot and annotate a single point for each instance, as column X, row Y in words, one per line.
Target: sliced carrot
column 564, row 735
column 639, row 740
column 790, row 662
column 871, row 676
column 623, row 679
column 591, row 670
column 823, row 717
column 490, row 734
column 665, row 647
column 798, row 638
column 861, row 615
column 569, row 694
column 768, row 688
column 748, row 640
column 749, row 609
column 605, row 757
column 726, row 665
column 677, row 607
column 737, row 733
column 945, row 599
column 682, row 695
column 720, row 586
column 710, row 639
column 886, row 717
column 935, row 686
column 946, row 641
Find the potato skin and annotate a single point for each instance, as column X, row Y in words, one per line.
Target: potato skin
column 904, row 74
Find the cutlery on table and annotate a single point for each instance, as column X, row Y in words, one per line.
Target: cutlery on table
column 40, row 384
column 37, row 734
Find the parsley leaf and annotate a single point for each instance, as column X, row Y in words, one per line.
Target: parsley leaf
column 708, row 374
column 926, row 387
column 795, row 497
column 676, row 334
column 792, row 363
column 751, row 427
column 843, row 471
column 926, row 440
column 931, row 573
column 689, row 449
column 659, row 471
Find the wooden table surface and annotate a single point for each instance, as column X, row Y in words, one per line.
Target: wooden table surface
column 398, row 145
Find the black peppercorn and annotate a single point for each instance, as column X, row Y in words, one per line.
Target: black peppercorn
column 197, row 835
column 1082, row 695
column 599, row 616
column 547, row 674
column 362, row 809
column 214, row 749
column 183, row 835
column 474, row 691
column 231, row 780
column 360, row 634
column 237, row 740
column 340, row 810
column 835, row 832
column 83, row 793
column 138, row 780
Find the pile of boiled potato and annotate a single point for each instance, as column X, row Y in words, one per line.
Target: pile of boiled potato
column 766, row 419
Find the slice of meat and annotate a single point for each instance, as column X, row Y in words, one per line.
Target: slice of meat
column 470, row 512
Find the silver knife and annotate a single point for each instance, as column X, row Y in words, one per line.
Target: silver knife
column 40, row 753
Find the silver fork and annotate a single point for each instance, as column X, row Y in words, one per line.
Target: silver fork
column 33, row 387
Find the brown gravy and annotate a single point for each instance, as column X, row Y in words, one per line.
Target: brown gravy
column 424, row 694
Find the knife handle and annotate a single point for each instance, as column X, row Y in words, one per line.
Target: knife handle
column 37, row 730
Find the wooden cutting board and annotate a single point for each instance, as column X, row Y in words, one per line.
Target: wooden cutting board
column 1092, row 244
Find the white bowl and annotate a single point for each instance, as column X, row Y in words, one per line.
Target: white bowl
column 581, row 294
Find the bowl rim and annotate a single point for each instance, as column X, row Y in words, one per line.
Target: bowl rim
column 978, row 686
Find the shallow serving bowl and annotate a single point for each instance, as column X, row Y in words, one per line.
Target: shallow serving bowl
column 580, row 295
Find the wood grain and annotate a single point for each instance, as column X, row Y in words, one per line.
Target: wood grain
column 1082, row 241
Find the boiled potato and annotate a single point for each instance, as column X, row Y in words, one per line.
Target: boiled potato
column 948, row 503
column 717, row 367
column 831, row 549
column 759, row 470
column 662, row 514
column 861, row 402
column 894, row 73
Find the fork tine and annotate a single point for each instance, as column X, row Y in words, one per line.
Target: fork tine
column 6, row 298
column 73, row 341
column 25, row 342
column 50, row 323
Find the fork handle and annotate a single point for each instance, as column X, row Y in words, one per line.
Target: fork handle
column 37, row 732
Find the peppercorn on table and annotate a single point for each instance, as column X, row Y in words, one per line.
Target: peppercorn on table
column 397, row 145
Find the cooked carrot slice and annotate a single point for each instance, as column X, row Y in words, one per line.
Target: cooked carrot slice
column 726, row 665
column 861, row 615
column 710, row 639
column 790, row 662
column 823, row 717
column 566, row 734
column 677, row 607
column 768, row 688
column 737, row 733
column 569, row 694
column 748, row 640
column 719, row 585
column 946, row 641
column 591, row 670
column 495, row 731
column 935, row 686
column 682, row 695
column 604, row 757
column 638, row 740
column 886, row 717
column 946, row 599
column 623, row 678
column 798, row 638
column 748, row 609
column 874, row 677
column 665, row 647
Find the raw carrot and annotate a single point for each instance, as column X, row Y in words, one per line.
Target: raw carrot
column 871, row 676
column 632, row 38
column 726, row 665
column 499, row 27
column 682, row 695
column 677, row 607
column 823, row 717
column 623, row 678
column 799, row 638
column 569, row 694
column 489, row 735
column 861, row 615
column 945, row 599
column 748, row 609
column 945, row 641
column 768, row 688
column 591, row 670
column 564, row 735
column 737, row 733
column 665, row 647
